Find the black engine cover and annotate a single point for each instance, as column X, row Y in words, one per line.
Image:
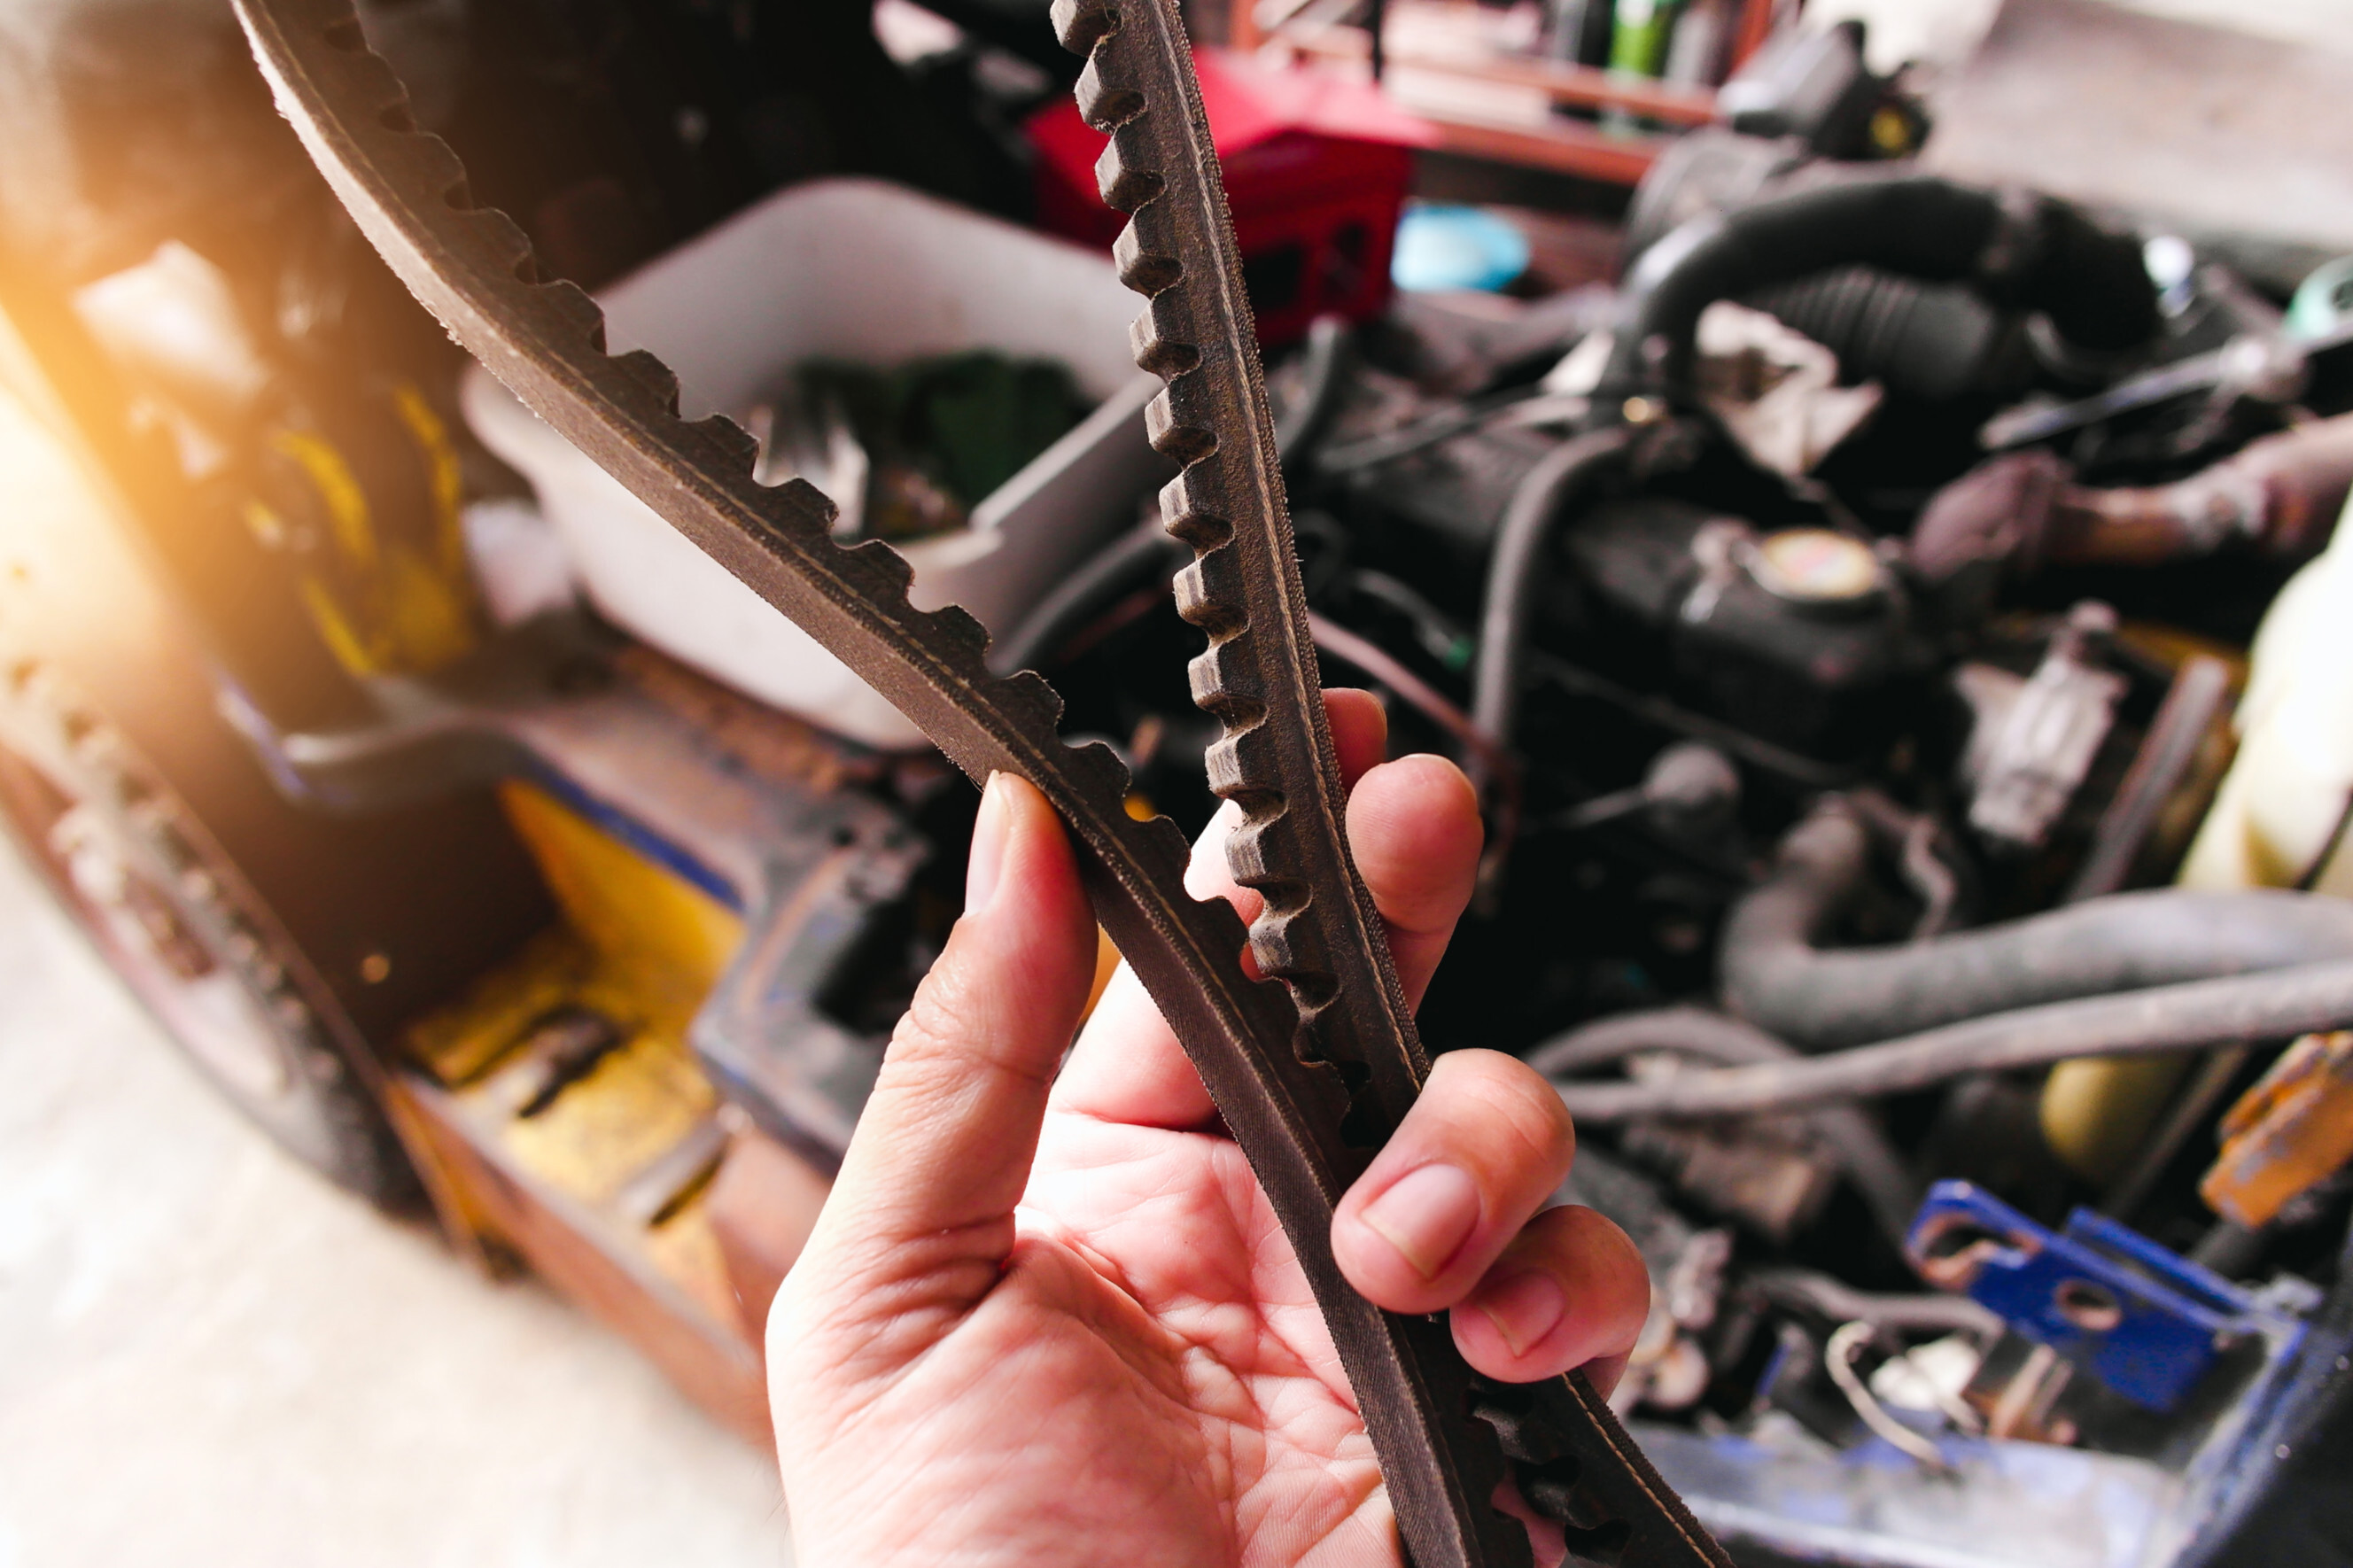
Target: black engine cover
column 1668, row 588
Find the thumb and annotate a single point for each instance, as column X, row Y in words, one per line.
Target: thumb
column 942, row 1151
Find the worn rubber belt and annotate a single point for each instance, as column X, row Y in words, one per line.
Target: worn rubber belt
column 1309, row 1075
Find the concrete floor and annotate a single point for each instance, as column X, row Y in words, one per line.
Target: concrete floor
column 208, row 1356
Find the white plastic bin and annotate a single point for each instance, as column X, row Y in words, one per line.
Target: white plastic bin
column 864, row 270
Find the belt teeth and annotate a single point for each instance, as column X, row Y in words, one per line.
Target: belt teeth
column 1105, row 107
column 659, row 380
column 1226, row 685
column 1210, row 594
column 570, row 303
column 729, row 442
column 802, row 524
column 1098, row 766
column 1026, row 696
column 1143, row 268
column 1257, row 851
column 1128, row 171
column 1130, row 161
column 1289, row 947
column 887, row 564
column 504, row 238
column 1525, row 1436
column 960, row 628
column 1082, row 24
column 1173, row 434
column 1125, row 185
column 1162, row 354
column 1192, row 510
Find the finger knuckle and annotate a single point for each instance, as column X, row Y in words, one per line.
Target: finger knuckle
column 937, row 1020
column 1512, row 1106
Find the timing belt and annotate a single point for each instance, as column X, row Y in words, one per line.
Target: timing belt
column 1310, row 1074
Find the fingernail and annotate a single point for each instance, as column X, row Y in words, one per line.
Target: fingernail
column 1524, row 1308
column 989, row 832
column 1427, row 1215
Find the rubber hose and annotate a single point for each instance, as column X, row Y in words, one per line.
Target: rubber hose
column 1776, row 978
column 2033, row 253
column 2279, row 1005
column 1124, row 564
column 1690, row 1031
column 1308, row 418
column 1853, row 1139
column 1515, row 570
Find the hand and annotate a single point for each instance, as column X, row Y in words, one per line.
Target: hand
column 1050, row 1318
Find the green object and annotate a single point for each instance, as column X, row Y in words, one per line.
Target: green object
column 941, row 434
column 1638, row 45
column 2323, row 302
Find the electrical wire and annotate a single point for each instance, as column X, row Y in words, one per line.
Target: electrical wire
column 1437, row 631
column 1838, row 1360
column 1490, row 761
column 1128, row 561
column 1663, row 714
column 2192, row 1109
column 1456, row 419
column 1916, row 1312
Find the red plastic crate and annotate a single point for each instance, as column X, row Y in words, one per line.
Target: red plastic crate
column 1317, row 170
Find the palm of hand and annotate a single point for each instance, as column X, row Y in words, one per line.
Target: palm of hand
column 1149, row 1376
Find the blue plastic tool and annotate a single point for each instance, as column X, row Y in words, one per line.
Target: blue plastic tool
column 2144, row 1320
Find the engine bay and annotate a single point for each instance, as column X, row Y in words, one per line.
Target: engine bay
column 1906, row 746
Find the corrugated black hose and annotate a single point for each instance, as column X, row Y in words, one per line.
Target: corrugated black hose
column 2018, row 250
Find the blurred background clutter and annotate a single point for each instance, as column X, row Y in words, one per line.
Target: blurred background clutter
column 1855, row 482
